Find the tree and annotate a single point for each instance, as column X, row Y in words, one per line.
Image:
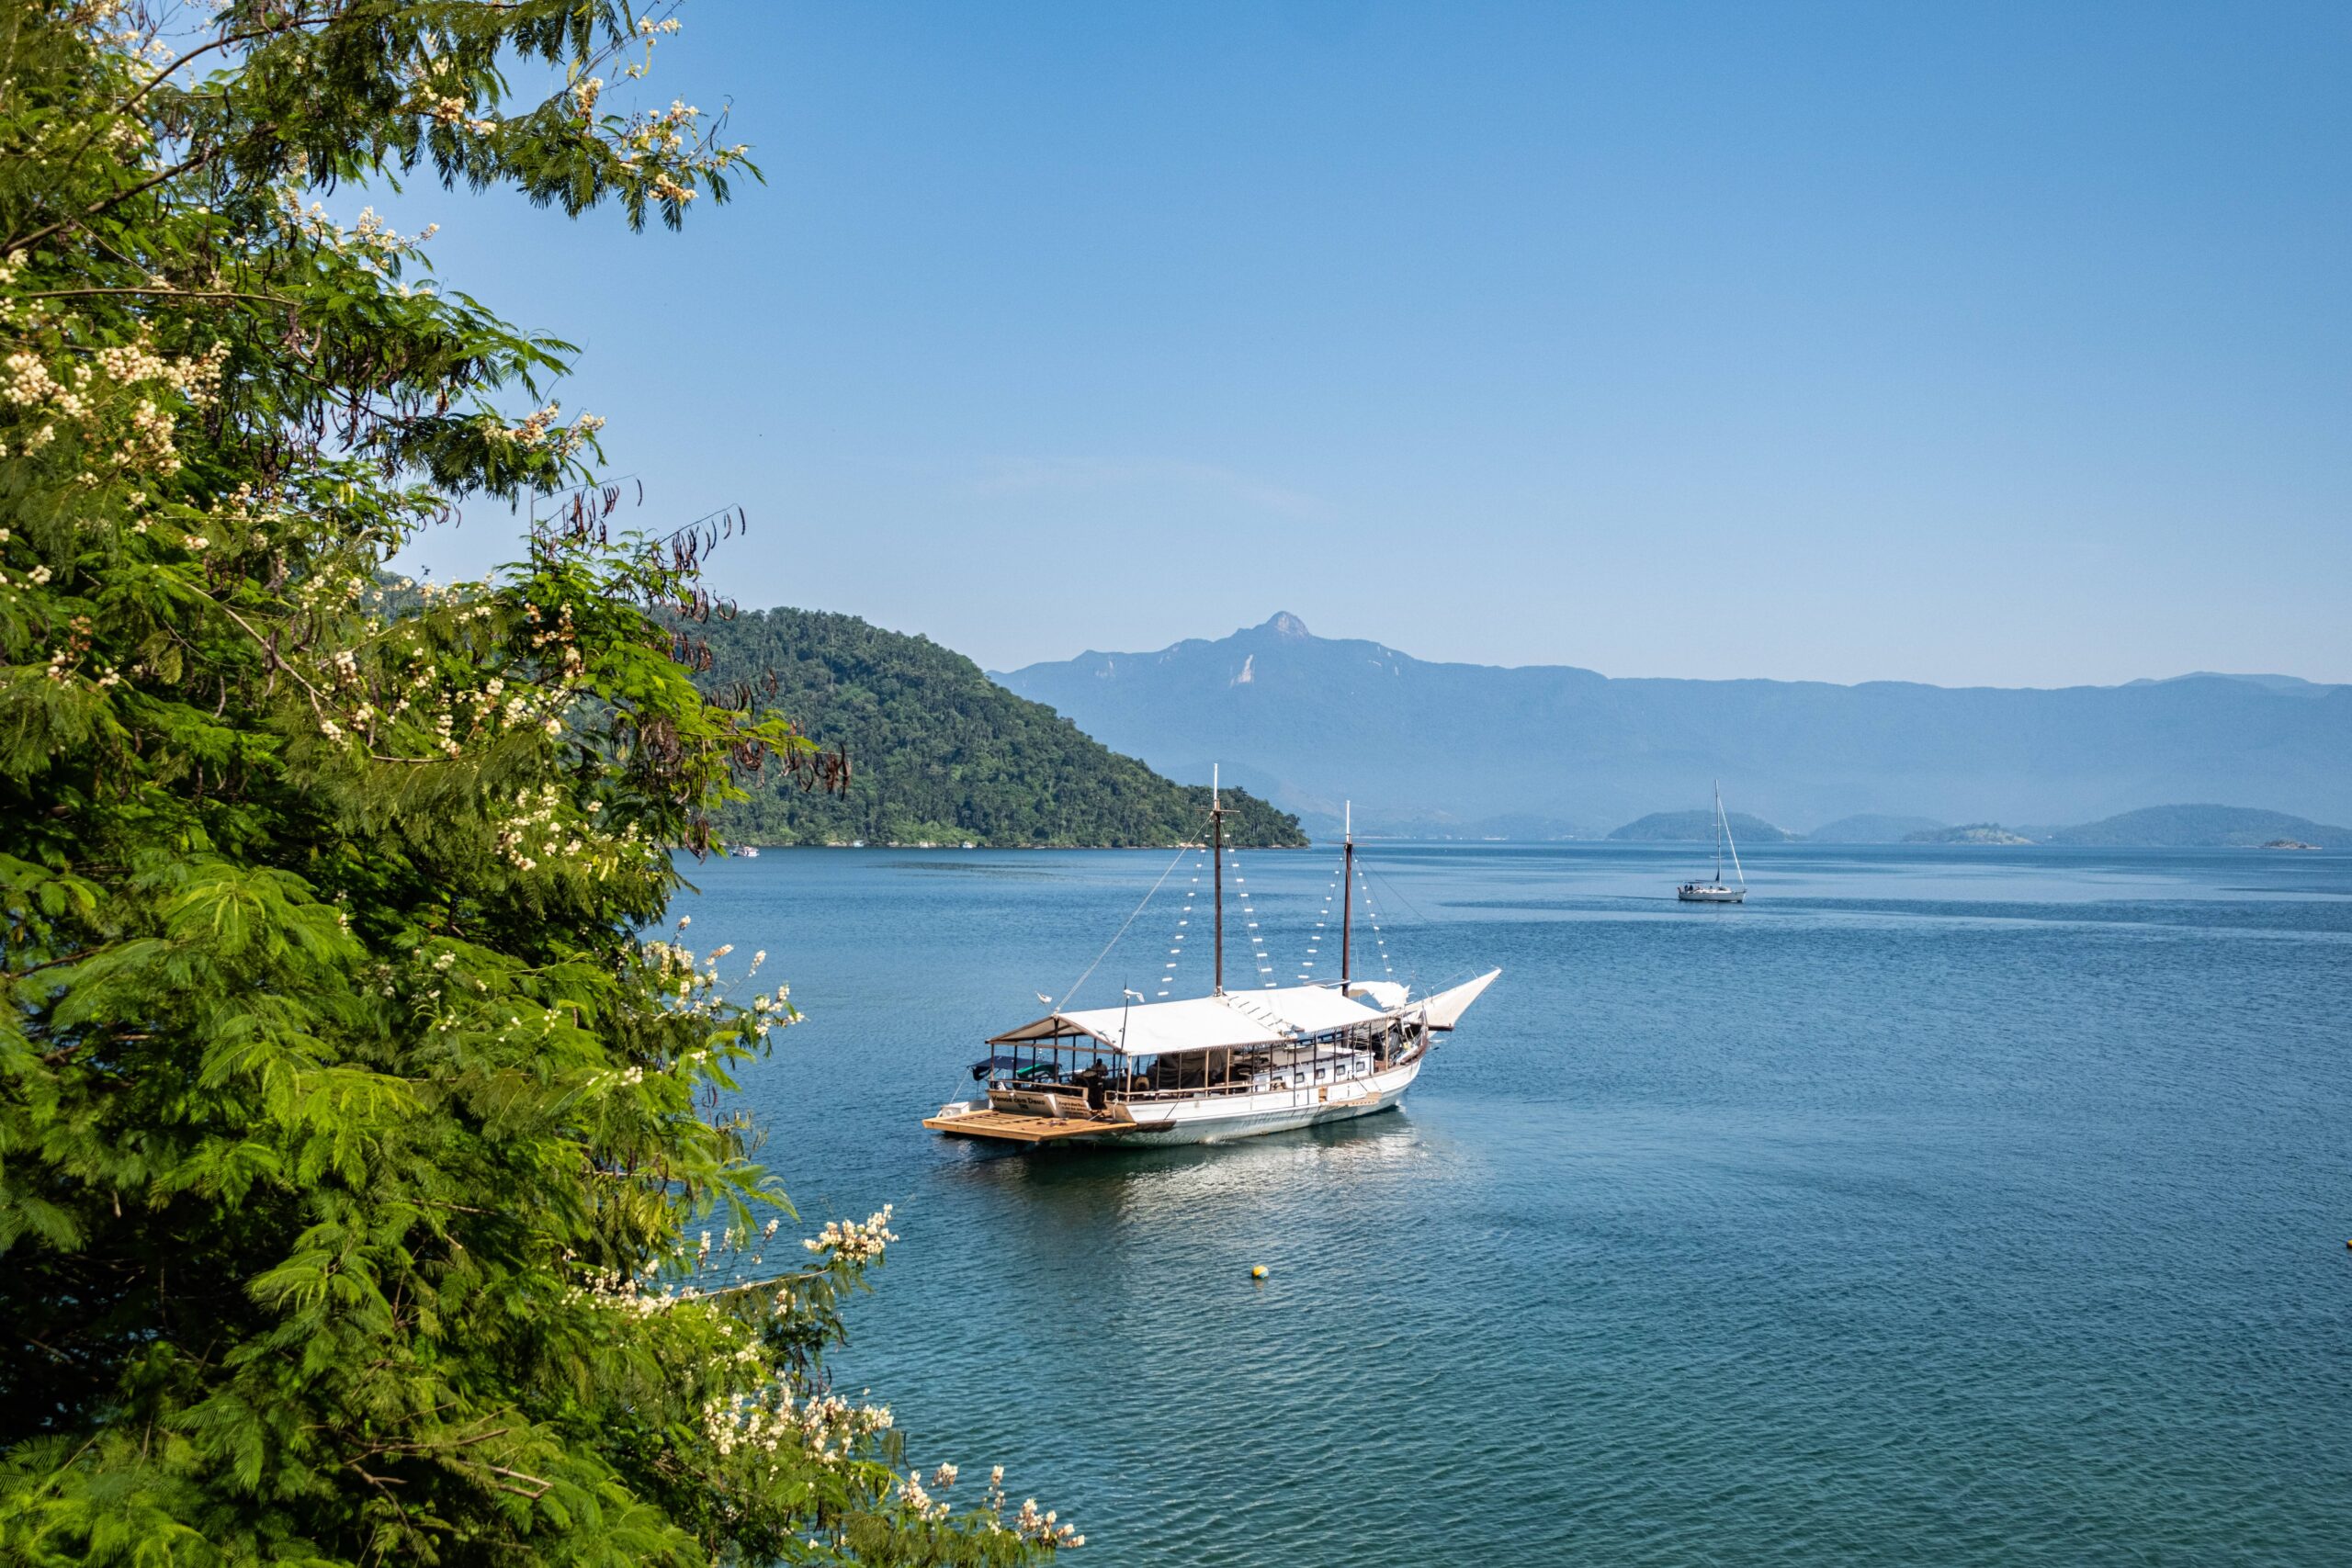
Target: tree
column 350, row 1135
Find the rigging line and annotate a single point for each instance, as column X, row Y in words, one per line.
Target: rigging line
column 1181, row 852
column 1315, row 938
column 1391, row 890
column 1379, row 938
column 1250, row 919
column 1191, row 898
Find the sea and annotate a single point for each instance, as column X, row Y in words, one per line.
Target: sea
column 1944, row 1205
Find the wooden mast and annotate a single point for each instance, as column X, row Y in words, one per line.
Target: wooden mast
column 1348, row 888
column 1217, row 835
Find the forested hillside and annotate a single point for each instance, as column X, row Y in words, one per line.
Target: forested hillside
column 941, row 755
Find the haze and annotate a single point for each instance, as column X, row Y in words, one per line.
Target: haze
column 1983, row 345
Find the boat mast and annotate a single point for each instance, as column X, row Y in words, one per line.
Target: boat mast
column 1216, row 834
column 1347, row 891
column 1719, row 833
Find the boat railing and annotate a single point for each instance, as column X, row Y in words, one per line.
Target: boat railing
column 1280, row 1084
column 1202, row 1092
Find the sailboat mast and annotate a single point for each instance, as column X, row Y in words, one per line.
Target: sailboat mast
column 1216, row 853
column 1347, row 892
column 1719, row 833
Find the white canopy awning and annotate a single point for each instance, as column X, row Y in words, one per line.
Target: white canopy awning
column 1308, row 1010
column 1205, row 1023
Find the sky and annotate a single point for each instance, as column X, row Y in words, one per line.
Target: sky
column 1967, row 344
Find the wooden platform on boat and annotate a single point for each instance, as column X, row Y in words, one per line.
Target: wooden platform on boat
column 1015, row 1129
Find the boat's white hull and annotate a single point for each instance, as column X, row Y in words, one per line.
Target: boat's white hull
column 1277, row 1111
column 1222, row 1118
column 1711, row 895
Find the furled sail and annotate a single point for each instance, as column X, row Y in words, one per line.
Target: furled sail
column 1445, row 1009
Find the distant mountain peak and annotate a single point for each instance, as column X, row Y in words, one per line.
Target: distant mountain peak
column 1445, row 748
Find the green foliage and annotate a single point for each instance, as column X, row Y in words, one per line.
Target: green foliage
column 350, row 1135
column 940, row 753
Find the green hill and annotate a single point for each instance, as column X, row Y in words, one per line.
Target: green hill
column 2203, row 827
column 939, row 754
column 1698, row 826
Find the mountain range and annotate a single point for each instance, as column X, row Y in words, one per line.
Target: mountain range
column 2154, row 827
column 1693, row 826
column 1441, row 750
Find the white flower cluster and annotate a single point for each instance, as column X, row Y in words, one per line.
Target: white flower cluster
column 1043, row 1527
column 101, row 399
column 539, row 432
column 823, row 1426
column 537, row 832
column 854, row 1240
column 626, row 1293
column 370, row 240
column 65, row 660
column 395, row 677
column 919, row 1501
column 430, row 82
column 1031, row 1525
column 696, row 989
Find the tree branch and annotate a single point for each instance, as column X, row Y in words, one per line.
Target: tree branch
column 186, row 165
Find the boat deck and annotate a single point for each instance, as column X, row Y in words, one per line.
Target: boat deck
column 1014, row 1129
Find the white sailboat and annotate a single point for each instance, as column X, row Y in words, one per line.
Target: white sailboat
column 1714, row 892
column 1206, row 1069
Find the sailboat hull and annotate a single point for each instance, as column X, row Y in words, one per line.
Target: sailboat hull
column 1711, row 895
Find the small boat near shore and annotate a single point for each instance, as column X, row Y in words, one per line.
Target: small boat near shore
column 1207, row 1070
column 1715, row 891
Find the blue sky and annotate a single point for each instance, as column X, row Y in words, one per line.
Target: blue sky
column 1998, row 345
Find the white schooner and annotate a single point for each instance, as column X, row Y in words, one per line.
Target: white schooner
column 1205, row 1069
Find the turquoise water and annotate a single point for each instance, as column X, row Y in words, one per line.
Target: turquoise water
column 1941, row 1205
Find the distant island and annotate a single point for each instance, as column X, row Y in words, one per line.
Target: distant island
column 2156, row 827
column 2204, row 828
column 2162, row 827
column 1872, row 829
column 1974, row 833
column 940, row 754
column 1698, row 826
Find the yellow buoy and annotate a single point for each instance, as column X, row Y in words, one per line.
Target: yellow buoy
column 1258, row 1270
